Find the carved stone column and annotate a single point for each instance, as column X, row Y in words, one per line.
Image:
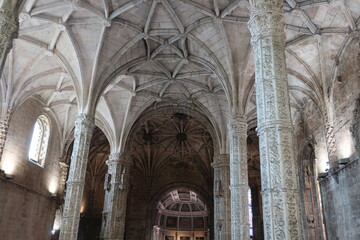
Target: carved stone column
column 280, row 187
column 4, row 127
column 222, row 220
column 75, row 185
column 239, row 178
column 9, row 27
column 116, row 191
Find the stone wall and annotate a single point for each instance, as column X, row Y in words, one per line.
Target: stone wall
column 24, row 213
column 340, row 191
column 26, row 208
column 345, row 93
column 340, row 195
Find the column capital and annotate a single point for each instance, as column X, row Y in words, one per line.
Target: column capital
column 63, row 165
column 221, row 160
column 85, row 120
column 266, row 19
column 113, row 158
column 119, row 158
column 266, row 5
column 237, row 123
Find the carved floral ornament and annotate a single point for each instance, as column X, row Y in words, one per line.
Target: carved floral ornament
column 8, row 28
column 237, row 123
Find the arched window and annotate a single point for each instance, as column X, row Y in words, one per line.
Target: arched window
column 39, row 140
column 250, row 213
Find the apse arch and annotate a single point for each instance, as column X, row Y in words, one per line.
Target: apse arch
column 207, row 120
column 159, row 164
column 181, row 210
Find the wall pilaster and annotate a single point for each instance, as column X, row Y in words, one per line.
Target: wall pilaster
column 75, row 185
column 222, row 214
column 239, row 178
column 116, row 191
column 64, row 168
column 280, row 187
column 4, row 127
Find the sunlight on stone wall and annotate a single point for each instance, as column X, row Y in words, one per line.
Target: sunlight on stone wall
column 345, row 145
column 52, row 185
column 8, row 163
column 322, row 159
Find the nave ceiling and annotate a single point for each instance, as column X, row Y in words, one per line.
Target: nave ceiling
column 126, row 56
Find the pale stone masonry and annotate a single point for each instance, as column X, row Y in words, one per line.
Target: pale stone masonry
column 75, row 184
column 222, row 211
column 239, row 177
column 340, row 192
column 9, row 27
column 4, row 126
column 116, row 191
column 123, row 61
column 280, row 188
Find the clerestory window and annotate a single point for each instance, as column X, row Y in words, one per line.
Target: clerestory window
column 39, row 140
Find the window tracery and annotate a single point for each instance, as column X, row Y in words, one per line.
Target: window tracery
column 39, row 140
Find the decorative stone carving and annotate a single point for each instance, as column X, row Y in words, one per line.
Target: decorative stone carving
column 9, row 27
column 222, row 197
column 239, row 178
column 75, row 185
column 113, row 224
column 4, row 127
column 64, row 168
column 280, row 187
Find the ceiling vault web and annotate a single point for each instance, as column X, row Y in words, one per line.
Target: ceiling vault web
column 125, row 56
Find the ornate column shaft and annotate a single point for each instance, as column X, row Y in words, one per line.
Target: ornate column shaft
column 239, row 185
column 76, row 180
column 4, row 127
column 9, row 27
column 280, row 187
column 116, row 191
column 222, row 220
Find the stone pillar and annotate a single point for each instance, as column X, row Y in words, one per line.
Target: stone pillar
column 4, row 127
column 280, row 187
column 75, row 185
column 239, row 178
column 9, row 27
column 222, row 220
column 116, row 191
column 156, row 233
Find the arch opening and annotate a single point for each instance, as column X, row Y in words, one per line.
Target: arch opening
column 181, row 215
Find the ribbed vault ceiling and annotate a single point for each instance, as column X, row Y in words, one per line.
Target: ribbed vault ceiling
column 176, row 137
column 130, row 55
